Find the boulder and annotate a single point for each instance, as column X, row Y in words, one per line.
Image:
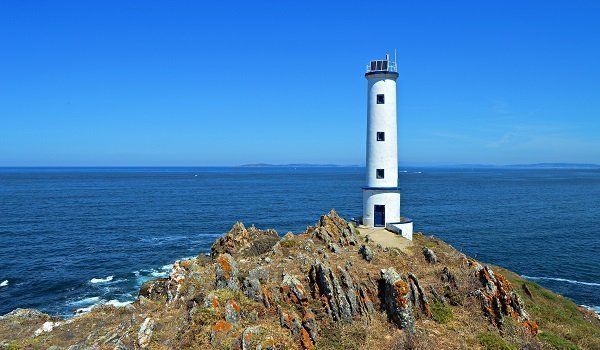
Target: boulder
column 396, row 298
column 154, row 289
column 430, row 255
column 242, row 242
column 366, row 252
column 292, row 290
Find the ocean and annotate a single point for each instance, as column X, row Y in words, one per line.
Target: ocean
column 71, row 238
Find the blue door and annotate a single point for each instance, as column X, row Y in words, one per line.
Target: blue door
column 379, row 215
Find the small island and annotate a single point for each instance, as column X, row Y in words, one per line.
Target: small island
column 334, row 286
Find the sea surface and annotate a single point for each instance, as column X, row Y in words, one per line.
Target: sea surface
column 71, row 238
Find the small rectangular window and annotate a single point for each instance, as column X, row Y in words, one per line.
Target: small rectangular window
column 380, row 99
column 380, row 136
column 379, row 173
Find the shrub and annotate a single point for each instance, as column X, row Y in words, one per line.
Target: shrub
column 491, row 341
column 441, row 312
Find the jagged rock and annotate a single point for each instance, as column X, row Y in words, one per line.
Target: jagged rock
column 333, row 229
column 326, row 287
column 334, row 248
column 177, row 277
column 232, row 312
column 226, row 272
column 310, row 324
column 396, row 298
column 366, row 252
column 305, row 340
column 25, row 314
column 292, row 290
column 254, row 339
column 253, row 289
column 243, row 242
column 418, row 295
column 145, row 333
column 498, row 299
column 154, row 289
column 430, row 255
column 349, row 290
column 260, row 273
column 289, row 320
column 448, row 277
column 436, row 295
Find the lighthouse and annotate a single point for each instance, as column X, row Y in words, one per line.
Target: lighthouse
column 381, row 194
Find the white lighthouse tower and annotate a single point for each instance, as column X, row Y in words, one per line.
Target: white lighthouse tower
column 381, row 195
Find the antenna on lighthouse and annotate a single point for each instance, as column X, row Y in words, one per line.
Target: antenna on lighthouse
column 394, row 56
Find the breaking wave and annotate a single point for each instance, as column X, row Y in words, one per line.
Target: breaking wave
column 534, row 278
column 101, row 280
column 4, row 283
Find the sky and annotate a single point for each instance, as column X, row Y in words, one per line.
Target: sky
column 194, row 83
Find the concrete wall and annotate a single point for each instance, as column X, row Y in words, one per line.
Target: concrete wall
column 382, row 117
column 404, row 229
column 391, row 200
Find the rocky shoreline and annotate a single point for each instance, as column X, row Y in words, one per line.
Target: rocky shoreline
column 328, row 288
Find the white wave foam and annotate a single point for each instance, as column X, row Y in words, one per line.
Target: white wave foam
column 102, row 280
column 561, row 280
column 596, row 309
column 113, row 302
column 167, row 267
column 4, row 283
column 159, row 274
column 85, row 301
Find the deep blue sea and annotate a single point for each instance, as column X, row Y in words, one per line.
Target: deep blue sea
column 74, row 237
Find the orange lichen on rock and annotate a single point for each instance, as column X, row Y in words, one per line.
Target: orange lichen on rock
column 222, row 327
column 225, row 265
column 402, row 289
column 305, row 340
column 531, row 326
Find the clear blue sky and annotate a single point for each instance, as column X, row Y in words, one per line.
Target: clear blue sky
column 227, row 83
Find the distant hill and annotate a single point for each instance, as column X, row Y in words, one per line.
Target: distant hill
column 293, row 165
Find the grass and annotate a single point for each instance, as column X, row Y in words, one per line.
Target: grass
column 491, row 341
column 557, row 342
column 288, row 243
column 562, row 323
column 441, row 312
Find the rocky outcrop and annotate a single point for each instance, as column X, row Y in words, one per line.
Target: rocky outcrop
column 154, row 289
column 396, row 298
column 499, row 300
column 333, row 229
column 430, row 255
column 145, row 333
column 226, row 272
column 242, row 242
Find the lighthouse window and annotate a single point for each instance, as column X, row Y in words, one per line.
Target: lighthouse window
column 380, row 136
column 379, row 173
column 380, row 99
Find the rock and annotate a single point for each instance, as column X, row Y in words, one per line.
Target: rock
column 430, row 255
column 249, row 337
column 326, row 287
column 334, row 248
column 260, row 273
column 448, row 277
column 232, row 312
column 396, row 298
column 154, row 289
column 366, row 252
column 219, row 332
column 349, row 290
column 268, row 260
column 242, row 242
column 211, row 301
column 333, row 229
column 436, row 295
column 310, row 324
column 226, row 272
column 305, row 340
column 418, row 295
column 289, row 320
column 499, row 300
column 177, row 277
column 253, row 289
column 145, row 333
column 292, row 290
column 45, row 328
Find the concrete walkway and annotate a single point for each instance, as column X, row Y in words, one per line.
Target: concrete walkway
column 385, row 238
